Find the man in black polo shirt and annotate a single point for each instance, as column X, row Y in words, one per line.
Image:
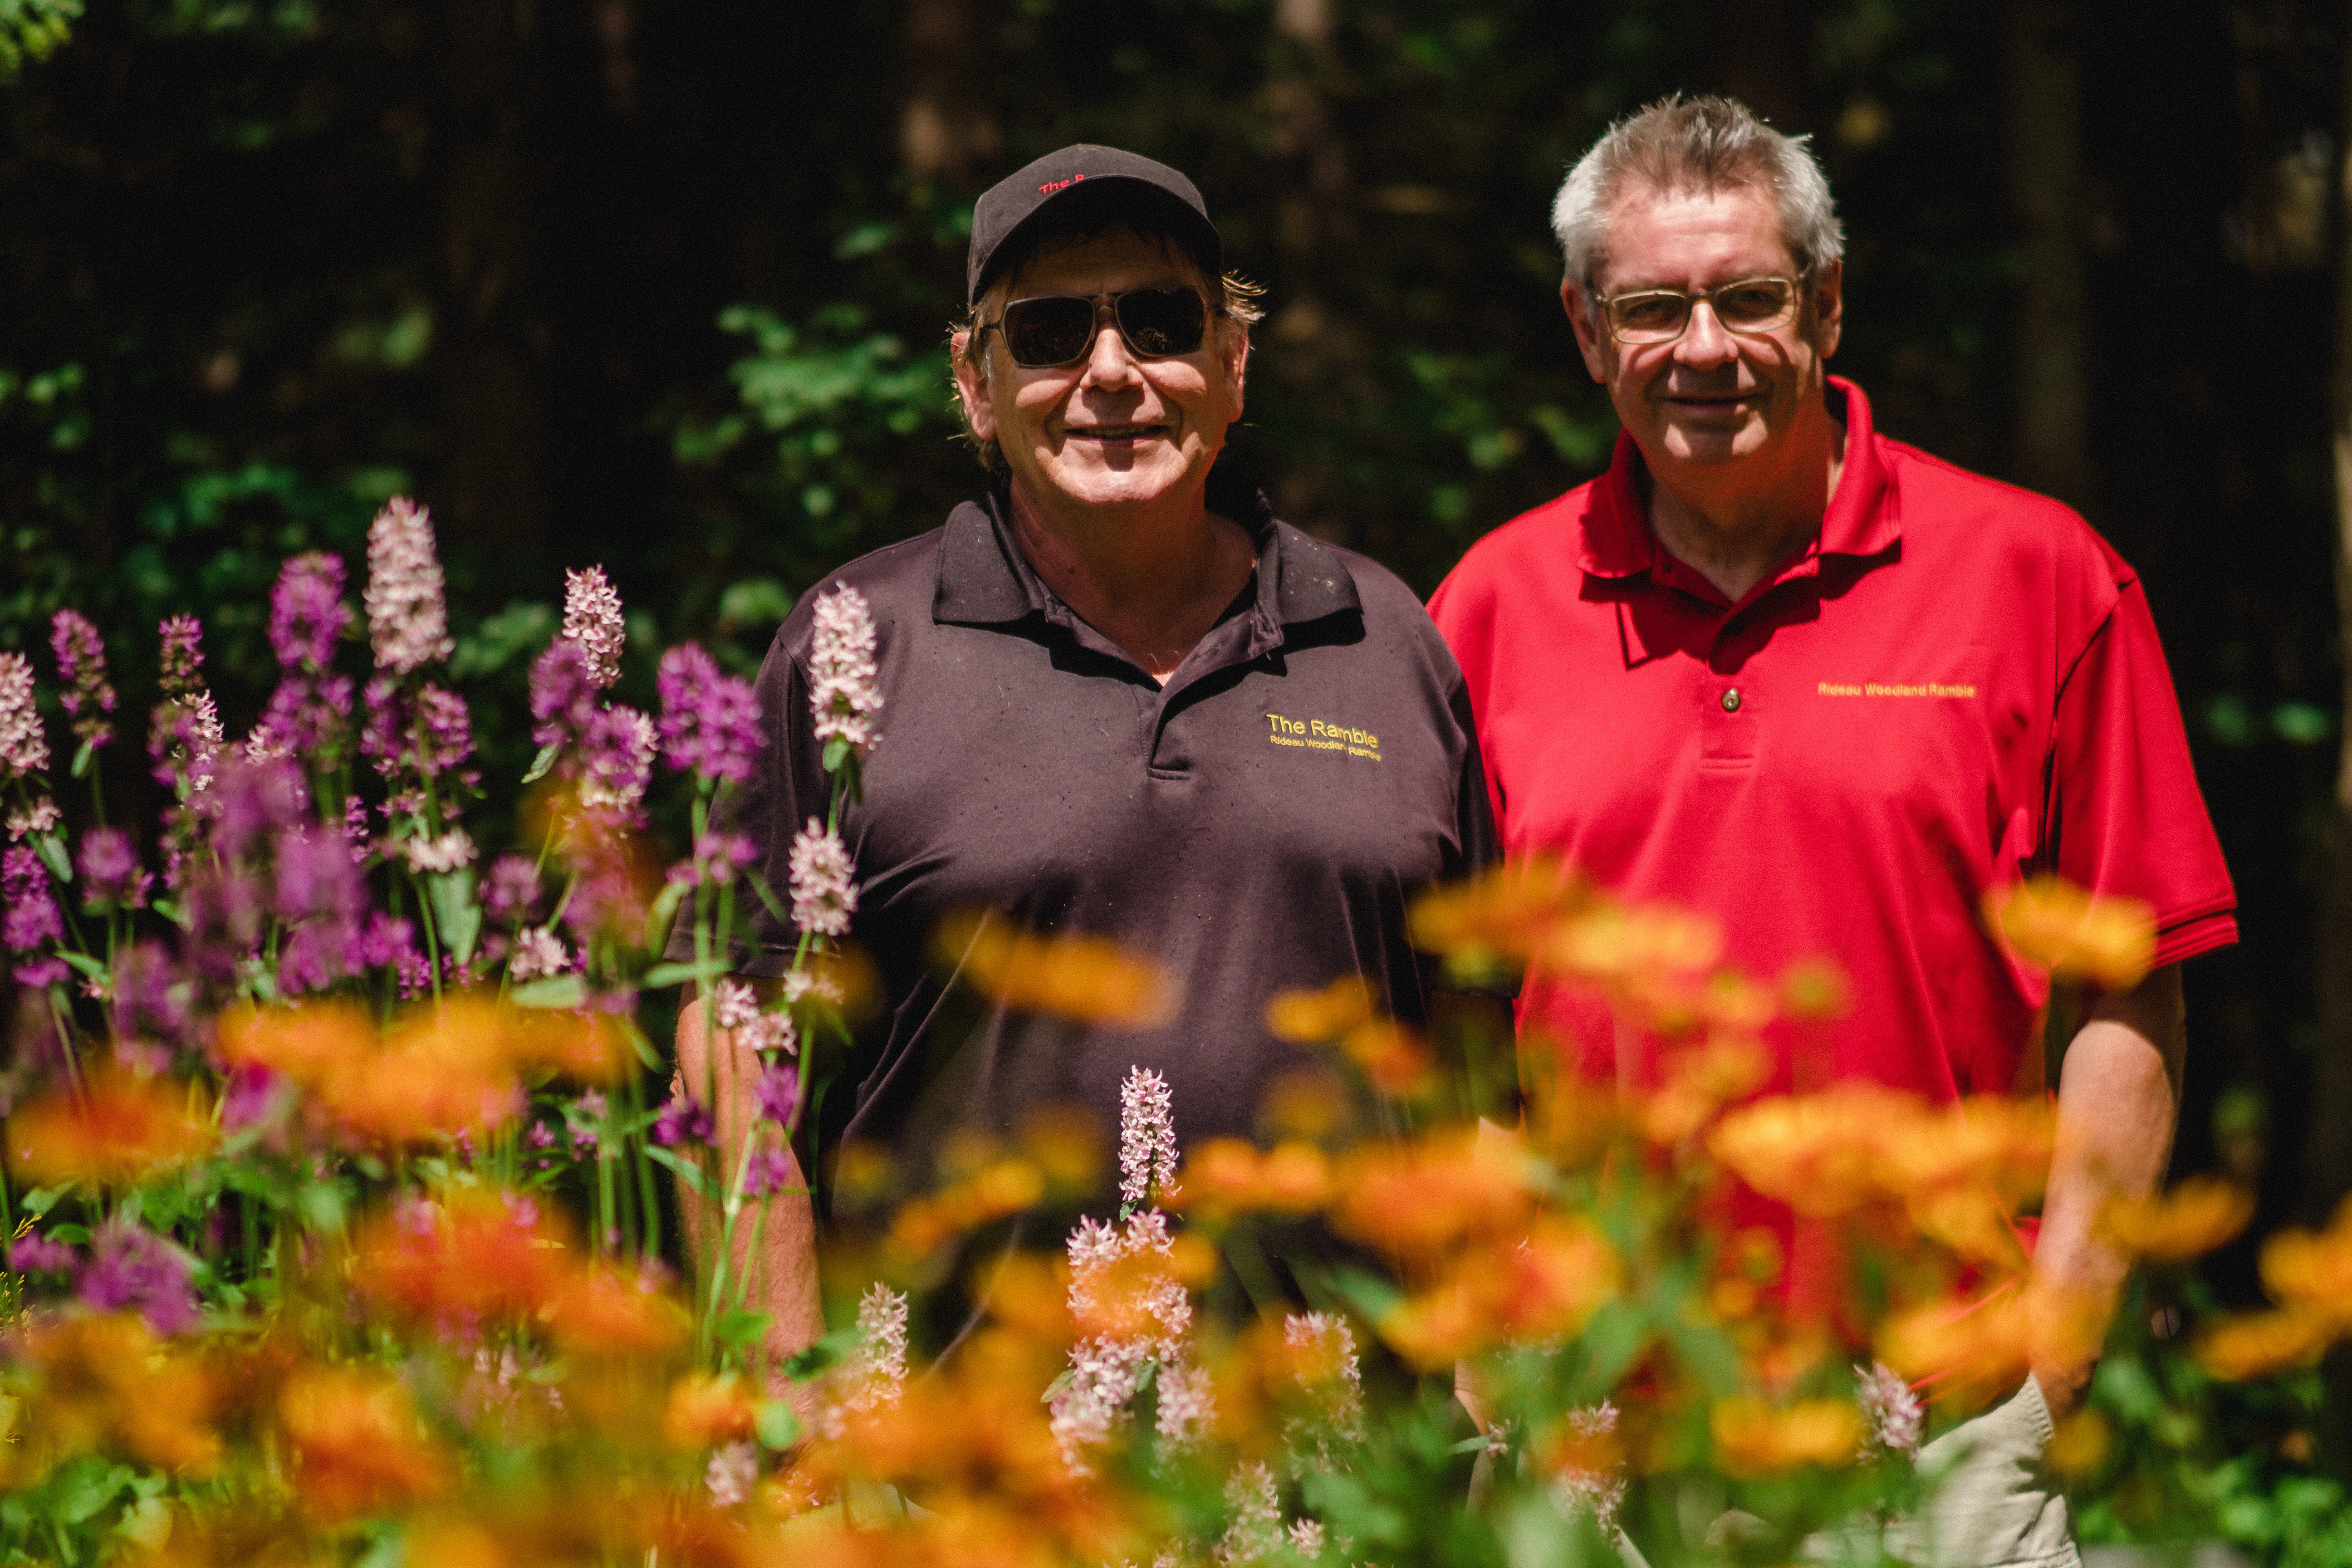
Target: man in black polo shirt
column 1121, row 701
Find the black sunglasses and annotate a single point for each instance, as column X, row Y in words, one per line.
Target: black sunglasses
column 1059, row 329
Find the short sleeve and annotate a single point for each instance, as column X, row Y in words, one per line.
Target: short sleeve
column 787, row 787
column 2123, row 814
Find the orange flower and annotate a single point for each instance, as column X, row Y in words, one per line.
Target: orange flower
column 1983, row 1346
column 705, row 1410
column 359, row 1448
column 1548, row 1286
column 1226, row 1176
column 118, row 1131
column 2077, row 935
column 1503, row 915
column 313, row 1043
column 600, row 1311
column 107, row 1383
column 444, row 1068
column 1699, row 1082
column 1752, row 1439
column 1427, row 1196
column 1639, row 947
column 1312, row 1017
column 1393, row 1058
column 476, row 1254
column 588, row 1046
column 2197, row 1216
column 2256, row 1344
column 2311, row 1273
column 1082, row 977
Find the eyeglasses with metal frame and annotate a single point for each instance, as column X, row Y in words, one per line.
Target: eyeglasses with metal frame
column 1748, row 306
column 1055, row 330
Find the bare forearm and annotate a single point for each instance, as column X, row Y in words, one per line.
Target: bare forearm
column 781, row 1271
column 2118, row 1094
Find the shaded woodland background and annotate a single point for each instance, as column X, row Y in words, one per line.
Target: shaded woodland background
column 664, row 287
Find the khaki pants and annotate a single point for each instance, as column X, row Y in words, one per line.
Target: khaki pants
column 1997, row 1507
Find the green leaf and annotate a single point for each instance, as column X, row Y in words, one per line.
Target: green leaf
column 77, row 1233
column 456, row 915
column 688, row 1170
column 41, row 1200
column 821, row 1355
column 836, row 751
column 83, row 758
column 52, row 851
column 85, row 963
column 544, row 761
column 555, row 991
column 778, row 1427
column 88, row 1485
column 170, row 910
column 662, row 975
column 739, row 1328
column 321, row 1204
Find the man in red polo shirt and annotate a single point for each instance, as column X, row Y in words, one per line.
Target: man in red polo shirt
column 1777, row 668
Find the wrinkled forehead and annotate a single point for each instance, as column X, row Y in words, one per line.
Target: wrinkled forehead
column 1691, row 236
column 1102, row 261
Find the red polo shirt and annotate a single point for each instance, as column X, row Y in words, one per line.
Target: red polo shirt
column 1957, row 684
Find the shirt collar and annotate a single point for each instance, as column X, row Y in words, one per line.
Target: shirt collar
column 1863, row 519
column 985, row 579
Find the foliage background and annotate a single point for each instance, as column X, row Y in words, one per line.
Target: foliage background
column 662, row 288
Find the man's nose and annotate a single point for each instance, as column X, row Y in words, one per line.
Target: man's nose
column 1109, row 363
column 1704, row 342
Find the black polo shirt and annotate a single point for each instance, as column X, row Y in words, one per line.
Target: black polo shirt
column 1257, row 824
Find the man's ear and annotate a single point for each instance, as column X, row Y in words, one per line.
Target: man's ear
column 1578, row 302
column 972, row 386
column 1829, row 308
column 1232, row 352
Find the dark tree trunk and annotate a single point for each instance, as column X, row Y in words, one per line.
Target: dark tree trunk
column 494, row 449
column 2051, row 448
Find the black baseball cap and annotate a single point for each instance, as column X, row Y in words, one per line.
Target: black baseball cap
column 1019, row 202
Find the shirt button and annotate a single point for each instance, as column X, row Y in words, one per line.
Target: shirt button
column 1731, row 701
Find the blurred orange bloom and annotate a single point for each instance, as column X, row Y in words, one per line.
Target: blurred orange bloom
column 1226, row 1176
column 1000, row 1188
column 1955, row 1170
column 1503, row 915
column 1544, row 1285
column 443, row 1067
column 1427, row 1196
column 600, row 1311
column 1699, row 1081
column 1391, row 1057
column 107, row 1383
column 1313, row 1017
column 2312, row 1273
column 359, row 1447
column 313, row 1043
column 2196, row 1216
column 473, row 1255
column 704, row 1411
column 1752, row 1439
column 1081, row 977
column 2109, row 942
column 1635, row 948
column 2256, row 1344
column 1977, row 1349
column 118, row 1129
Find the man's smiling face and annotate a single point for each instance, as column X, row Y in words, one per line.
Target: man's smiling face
column 1114, row 429
column 1710, row 399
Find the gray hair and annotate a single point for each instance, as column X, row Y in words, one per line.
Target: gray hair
column 1697, row 145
